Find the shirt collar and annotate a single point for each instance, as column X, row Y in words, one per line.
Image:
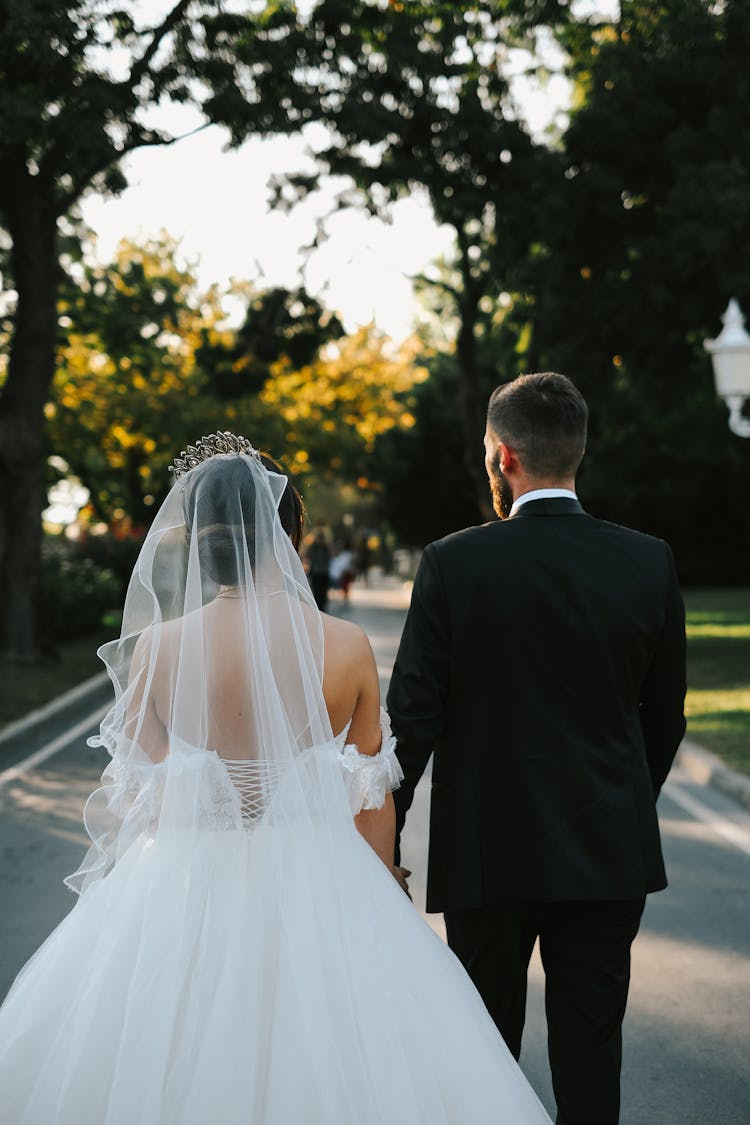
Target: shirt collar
column 542, row 494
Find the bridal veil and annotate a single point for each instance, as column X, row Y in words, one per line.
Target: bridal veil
column 217, row 673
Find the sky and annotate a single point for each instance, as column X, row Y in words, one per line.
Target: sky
column 216, row 202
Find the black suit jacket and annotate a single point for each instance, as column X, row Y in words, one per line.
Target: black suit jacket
column 543, row 661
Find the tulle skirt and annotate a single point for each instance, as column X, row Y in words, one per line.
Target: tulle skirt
column 243, row 978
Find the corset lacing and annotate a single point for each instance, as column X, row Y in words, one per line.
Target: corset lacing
column 255, row 783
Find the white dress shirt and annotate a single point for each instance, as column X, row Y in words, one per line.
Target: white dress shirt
column 542, row 494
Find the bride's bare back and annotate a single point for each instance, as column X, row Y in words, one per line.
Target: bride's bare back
column 350, row 683
column 351, row 693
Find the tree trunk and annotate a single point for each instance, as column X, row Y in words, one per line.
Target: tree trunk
column 471, row 409
column 33, row 230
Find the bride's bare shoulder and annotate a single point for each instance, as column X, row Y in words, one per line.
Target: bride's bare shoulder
column 344, row 639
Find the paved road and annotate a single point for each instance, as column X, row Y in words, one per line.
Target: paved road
column 687, row 1034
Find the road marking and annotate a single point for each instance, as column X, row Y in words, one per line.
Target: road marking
column 20, row 726
column 52, row 747
column 720, row 824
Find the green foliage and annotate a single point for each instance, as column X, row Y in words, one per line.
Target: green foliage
column 718, row 701
column 427, row 471
column 281, row 325
column 115, row 554
column 643, row 243
column 128, row 393
column 76, row 593
column 77, row 84
column 148, row 364
column 337, row 408
column 76, row 77
column 427, row 492
column 610, row 257
column 415, row 97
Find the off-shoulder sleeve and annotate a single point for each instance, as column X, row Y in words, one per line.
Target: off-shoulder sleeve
column 369, row 777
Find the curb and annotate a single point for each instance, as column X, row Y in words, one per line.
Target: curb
column 48, row 710
column 706, row 768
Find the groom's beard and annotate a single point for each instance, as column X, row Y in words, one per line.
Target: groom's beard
column 502, row 493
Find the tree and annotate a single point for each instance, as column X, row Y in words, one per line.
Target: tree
column 336, row 408
column 420, row 102
column 129, row 391
column 644, row 242
column 280, row 325
column 76, row 81
column 148, row 363
column 425, row 491
column 413, row 93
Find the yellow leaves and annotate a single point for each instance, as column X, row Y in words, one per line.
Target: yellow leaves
column 354, row 385
column 605, row 34
column 524, row 340
column 123, row 437
column 156, row 257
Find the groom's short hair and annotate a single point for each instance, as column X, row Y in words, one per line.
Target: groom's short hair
column 543, row 417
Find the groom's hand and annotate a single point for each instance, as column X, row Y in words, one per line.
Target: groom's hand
column 401, row 874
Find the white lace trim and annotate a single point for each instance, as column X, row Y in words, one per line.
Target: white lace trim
column 370, row 776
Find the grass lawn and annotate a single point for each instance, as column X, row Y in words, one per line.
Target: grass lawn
column 718, row 701
column 24, row 687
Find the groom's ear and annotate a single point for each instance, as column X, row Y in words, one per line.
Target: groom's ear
column 506, row 457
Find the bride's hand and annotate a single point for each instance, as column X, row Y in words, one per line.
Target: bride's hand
column 401, row 874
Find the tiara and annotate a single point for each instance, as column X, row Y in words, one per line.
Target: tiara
column 210, row 446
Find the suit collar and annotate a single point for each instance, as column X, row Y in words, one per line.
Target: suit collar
column 549, row 506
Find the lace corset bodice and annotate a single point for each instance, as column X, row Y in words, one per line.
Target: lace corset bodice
column 255, row 783
column 368, row 777
column 194, row 787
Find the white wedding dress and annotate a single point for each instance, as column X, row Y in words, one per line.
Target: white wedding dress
column 198, row 987
column 240, row 956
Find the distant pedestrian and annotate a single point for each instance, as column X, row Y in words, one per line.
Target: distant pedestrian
column 342, row 570
column 364, row 557
column 318, row 569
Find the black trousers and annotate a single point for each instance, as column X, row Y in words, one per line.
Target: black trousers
column 585, row 950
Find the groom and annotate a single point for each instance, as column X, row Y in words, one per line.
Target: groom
column 543, row 662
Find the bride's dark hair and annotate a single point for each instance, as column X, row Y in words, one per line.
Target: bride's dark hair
column 220, row 497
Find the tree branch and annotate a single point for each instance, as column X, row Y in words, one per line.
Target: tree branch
column 65, row 202
column 435, row 283
column 141, row 65
column 47, row 165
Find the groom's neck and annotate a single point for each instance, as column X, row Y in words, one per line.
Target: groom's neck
column 532, row 484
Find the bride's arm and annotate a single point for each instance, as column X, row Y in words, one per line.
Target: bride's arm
column 142, row 723
column 376, row 826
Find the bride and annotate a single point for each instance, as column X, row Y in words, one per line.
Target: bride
column 241, row 952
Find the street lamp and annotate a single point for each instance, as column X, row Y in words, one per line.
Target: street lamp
column 730, row 355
